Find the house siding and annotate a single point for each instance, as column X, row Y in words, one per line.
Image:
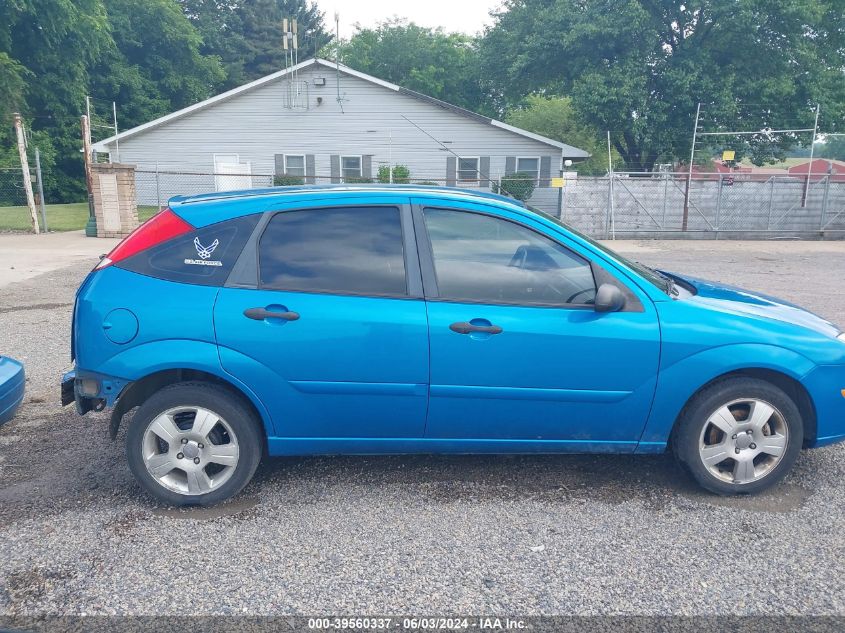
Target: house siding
column 369, row 121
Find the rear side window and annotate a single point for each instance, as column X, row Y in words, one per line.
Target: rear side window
column 204, row 256
column 355, row 250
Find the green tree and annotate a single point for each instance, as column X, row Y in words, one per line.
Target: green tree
column 247, row 34
column 639, row 67
column 48, row 48
column 431, row 61
column 154, row 65
column 143, row 55
column 833, row 147
column 556, row 119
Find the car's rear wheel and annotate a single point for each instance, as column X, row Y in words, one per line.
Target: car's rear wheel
column 193, row 444
column 739, row 435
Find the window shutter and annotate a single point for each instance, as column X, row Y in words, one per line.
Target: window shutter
column 309, row 169
column 335, row 168
column 451, row 170
column 510, row 165
column 366, row 166
column 545, row 171
column 280, row 164
column 484, row 168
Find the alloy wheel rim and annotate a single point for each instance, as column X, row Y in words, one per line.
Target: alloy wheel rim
column 190, row 450
column 743, row 441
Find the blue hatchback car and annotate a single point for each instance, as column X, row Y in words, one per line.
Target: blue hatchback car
column 402, row 319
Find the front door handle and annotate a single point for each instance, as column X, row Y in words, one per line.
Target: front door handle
column 259, row 314
column 463, row 327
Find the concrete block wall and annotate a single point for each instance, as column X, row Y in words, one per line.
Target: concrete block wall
column 115, row 202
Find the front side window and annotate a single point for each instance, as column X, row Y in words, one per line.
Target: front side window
column 294, row 165
column 354, row 250
column 529, row 166
column 468, row 170
column 483, row 259
column 351, row 166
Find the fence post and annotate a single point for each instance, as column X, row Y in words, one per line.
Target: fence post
column 27, row 179
column 40, row 181
column 771, row 204
column 158, row 191
column 719, row 206
column 665, row 201
column 825, row 199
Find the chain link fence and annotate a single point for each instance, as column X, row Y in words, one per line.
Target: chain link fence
column 14, row 212
column 622, row 205
column 720, row 205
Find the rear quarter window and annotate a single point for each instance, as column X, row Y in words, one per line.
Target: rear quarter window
column 205, row 256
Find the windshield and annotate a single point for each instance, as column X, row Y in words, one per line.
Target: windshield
column 650, row 274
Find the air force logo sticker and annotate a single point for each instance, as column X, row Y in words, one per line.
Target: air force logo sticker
column 205, row 254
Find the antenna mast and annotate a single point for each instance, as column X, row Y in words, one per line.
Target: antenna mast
column 297, row 94
column 337, row 58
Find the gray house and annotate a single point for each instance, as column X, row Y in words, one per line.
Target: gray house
column 324, row 122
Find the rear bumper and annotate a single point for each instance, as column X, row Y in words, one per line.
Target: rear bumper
column 90, row 391
column 12, row 387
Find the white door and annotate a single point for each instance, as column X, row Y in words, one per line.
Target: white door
column 230, row 173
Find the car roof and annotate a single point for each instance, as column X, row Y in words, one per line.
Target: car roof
column 301, row 191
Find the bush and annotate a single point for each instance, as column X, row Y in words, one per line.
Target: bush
column 356, row 180
column 401, row 174
column 519, row 185
column 427, row 182
column 288, row 181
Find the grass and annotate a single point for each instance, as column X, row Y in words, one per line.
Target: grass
column 60, row 217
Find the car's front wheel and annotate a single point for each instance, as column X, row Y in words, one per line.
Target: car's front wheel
column 193, row 443
column 739, row 435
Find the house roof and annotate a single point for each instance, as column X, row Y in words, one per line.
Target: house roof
column 568, row 151
column 820, row 166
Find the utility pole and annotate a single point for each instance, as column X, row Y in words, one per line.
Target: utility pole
column 116, row 141
column 27, row 180
column 91, row 226
column 810, row 165
column 689, row 174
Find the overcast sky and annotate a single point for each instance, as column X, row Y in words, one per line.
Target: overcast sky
column 467, row 16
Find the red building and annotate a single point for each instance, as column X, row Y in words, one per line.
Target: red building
column 819, row 168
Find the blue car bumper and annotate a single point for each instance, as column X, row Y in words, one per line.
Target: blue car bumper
column 12, row 380
column 826, row 385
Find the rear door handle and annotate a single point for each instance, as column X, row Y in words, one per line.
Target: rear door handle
column 259, row 314
column 463, row 327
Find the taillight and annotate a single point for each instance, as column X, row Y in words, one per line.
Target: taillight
column 159, row 228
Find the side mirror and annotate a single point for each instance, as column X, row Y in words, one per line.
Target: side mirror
column 609, row 299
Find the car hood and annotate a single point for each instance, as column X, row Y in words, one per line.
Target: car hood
column 748, row 302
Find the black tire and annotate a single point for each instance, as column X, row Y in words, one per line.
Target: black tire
column 221, row 400
column 687, row 439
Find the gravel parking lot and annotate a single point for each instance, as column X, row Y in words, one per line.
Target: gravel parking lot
column 423, row 535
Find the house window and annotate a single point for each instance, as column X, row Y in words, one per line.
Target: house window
column 295, row 165
column 468, row 170
column 350, row 167
column 529, row 166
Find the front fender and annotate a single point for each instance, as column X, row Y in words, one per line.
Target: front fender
column 141, row 361
column 678, row 382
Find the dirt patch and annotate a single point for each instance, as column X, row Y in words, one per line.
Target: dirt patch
column 782, row 498
column 240, row 508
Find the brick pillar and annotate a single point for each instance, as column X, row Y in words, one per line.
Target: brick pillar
column 115, row 202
